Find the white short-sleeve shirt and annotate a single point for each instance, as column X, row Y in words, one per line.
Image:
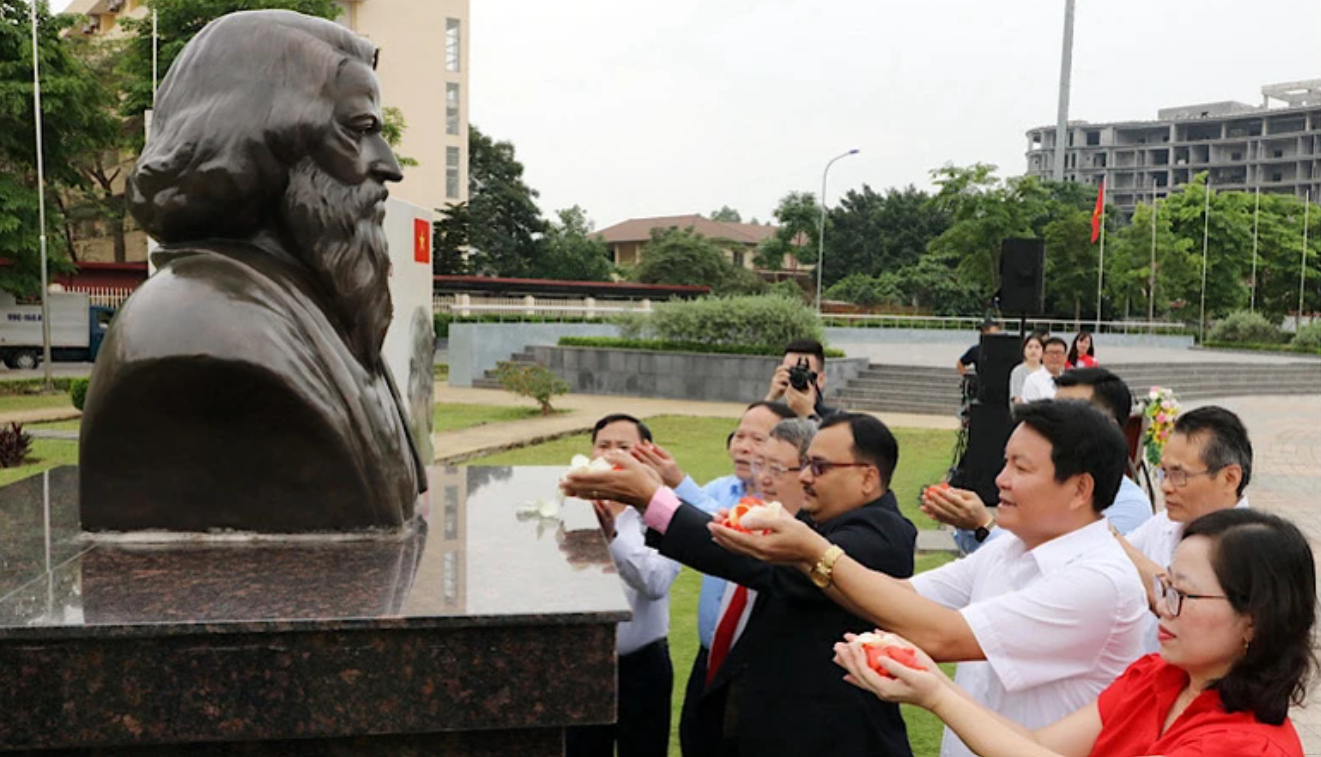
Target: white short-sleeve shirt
column 1039, row 385
column 1057, row 623
column 1156, row 539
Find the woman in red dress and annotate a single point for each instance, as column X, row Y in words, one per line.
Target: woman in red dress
column 1082, row 354
column 1236, row 615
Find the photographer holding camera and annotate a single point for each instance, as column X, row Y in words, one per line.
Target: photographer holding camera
column 800, row 380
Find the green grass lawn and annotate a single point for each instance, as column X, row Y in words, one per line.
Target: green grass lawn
column 698, row 445
column 455, row 417
column 46, row 453
column 12, row 402
column 69, row 425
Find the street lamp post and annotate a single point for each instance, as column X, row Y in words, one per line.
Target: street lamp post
column 821, row 239
column 47, row 383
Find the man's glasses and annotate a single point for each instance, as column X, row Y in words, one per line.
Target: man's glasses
column 1179, row 477
column 775, row 469
column 821, row 467
column 1173, row 598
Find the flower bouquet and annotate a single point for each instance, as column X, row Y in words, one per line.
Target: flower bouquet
column 1161, row 407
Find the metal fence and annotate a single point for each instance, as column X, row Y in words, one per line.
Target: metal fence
column 968, row 323
column 463, row 305
column 106, row 297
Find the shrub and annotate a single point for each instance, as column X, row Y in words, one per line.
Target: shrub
column 11, row 387
column 1245, row 327
column 1308, row 337
column 78, row 392
column 442, row 323
column 15, row 445
column 788, row 289
column 533, row 381
column 772, row 321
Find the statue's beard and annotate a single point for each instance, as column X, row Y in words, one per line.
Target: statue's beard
column 336, row 230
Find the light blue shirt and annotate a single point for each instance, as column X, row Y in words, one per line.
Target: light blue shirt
column 722, row 492
column 1130, row 510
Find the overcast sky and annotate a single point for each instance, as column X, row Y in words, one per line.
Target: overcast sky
column 633, row 108
column 639, row 109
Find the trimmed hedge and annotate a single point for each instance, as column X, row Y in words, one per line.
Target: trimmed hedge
column 1274, row 347
column 662, row 345
column 78, row 392
column 10, row 387
column 732, row 321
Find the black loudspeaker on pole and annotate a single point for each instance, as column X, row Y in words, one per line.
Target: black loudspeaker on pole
column 989, row 417
column 1022, row 277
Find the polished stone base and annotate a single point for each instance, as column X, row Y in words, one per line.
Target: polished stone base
column 475, row 632
column 544, row 742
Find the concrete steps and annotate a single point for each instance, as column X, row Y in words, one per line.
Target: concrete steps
column 488, row 379
column 912, row 389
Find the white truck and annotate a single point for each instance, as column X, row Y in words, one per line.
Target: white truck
column 76, row 328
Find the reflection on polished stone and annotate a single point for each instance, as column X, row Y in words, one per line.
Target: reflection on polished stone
column 467, row 556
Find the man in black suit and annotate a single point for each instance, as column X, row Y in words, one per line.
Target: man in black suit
column 777, row 692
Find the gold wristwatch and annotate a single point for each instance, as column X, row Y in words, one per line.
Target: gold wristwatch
column 825, row 567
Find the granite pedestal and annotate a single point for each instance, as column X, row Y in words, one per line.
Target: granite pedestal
column 476, row 632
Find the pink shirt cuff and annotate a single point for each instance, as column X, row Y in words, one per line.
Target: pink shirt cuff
column 661, row 509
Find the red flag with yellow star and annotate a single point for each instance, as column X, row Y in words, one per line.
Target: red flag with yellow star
column 421, row 241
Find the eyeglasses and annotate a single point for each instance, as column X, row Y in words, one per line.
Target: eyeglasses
column 820, row 467
column 1179, row 477
column 1173, row 598
column 775, row 469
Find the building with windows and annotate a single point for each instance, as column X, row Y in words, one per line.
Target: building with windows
column 103, row 16
column 627, row 240
column 423, row 70
column 1275, row 146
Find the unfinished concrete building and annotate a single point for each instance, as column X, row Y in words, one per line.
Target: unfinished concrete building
column 1275, row 146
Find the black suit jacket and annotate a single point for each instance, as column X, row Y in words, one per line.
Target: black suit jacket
column 786, row 695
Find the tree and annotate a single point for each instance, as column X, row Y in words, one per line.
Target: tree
column 393, row 126
column 726, row 214
column 505, row 221
column 103, row 164
column 570, row 250
column 684, row 257
column 178, row 21
column 799, row 218
column 872, row 233
column 449, row 241
column 1128, row 262
column 681, row 257
column 72, row 124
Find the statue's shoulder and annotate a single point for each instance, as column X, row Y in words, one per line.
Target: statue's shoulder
column 230, row 307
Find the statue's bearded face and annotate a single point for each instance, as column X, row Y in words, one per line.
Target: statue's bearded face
column 333, row 208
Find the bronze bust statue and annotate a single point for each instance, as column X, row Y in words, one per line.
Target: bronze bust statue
column 242, row 386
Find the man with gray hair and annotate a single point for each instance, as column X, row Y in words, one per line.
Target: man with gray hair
column 1205, row 466
column 242, row 386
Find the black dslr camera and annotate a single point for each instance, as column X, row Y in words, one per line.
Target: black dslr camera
column 801, row 375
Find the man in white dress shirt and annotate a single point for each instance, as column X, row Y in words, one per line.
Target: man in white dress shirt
column 1041, row 384
column 1040, row 620
column 1205, row 467
column 646, row 675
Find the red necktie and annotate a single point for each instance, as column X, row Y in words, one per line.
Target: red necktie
column 724, row 637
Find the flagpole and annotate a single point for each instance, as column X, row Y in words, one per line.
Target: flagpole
column 1151, row 285
column 48, row 384
column 1302, row 272
column 1100, row 268
column 1256, row 218
column 1206, row 236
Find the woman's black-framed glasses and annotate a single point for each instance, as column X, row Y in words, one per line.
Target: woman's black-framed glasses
column 1173, row 598
column 820, row 467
